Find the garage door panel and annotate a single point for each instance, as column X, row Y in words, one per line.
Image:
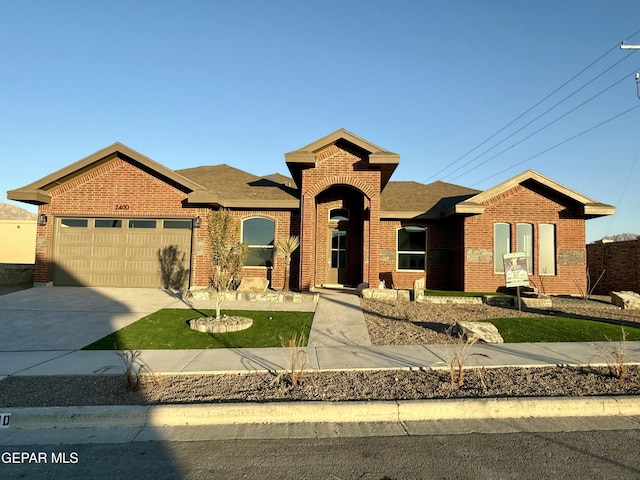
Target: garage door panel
column 120, row 256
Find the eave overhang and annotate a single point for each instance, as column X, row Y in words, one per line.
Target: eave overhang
column 586, row 206
column 37, row 193
column 305, row 157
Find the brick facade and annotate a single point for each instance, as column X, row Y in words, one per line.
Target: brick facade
column 338, row 171
column 522, row 204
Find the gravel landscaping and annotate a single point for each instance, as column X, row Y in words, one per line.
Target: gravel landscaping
column 401, row 324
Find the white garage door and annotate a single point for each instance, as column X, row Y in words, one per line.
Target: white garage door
column 120, row 252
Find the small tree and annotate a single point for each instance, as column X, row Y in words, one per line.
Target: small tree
column 227, row 253
column 285, row 248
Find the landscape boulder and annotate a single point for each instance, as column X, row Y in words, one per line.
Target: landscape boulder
column 253, row 284
column 480, row 331
column 626, row 300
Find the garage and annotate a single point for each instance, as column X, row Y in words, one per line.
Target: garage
column 121, row 252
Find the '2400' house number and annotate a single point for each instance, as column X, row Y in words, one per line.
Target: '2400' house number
column 122, row 206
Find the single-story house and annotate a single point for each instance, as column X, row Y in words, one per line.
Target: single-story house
column 103, row 219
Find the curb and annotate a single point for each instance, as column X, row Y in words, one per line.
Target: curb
column 321, row 412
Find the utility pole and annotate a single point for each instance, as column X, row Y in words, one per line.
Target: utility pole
column 624, row 46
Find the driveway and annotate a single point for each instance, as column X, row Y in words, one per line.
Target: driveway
column 69, row 318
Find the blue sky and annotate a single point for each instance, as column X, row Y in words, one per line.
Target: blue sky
column 194, row 83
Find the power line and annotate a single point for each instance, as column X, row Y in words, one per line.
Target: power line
column 537, row 118
column 528, row 110
column 537, row 131
column 557, row 145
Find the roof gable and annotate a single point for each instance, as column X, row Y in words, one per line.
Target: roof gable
column 589, row 207
column 377, row 157
column 38, row 192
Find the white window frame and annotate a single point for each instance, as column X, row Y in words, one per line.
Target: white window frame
column 527, row 245
column 399, row 252
column 498, row 263
column 547, row 232
column 249, row 246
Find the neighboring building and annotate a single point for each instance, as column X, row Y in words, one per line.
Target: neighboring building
column 17, row 235
column 103, row 220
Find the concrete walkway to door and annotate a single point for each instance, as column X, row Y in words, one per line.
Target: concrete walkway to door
column 338, row 321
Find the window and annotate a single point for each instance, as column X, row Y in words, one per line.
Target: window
column 74, row 222
column 501, row 245
column 338, row 214
column 524, row 234
column 547, row 249
column 258, row 234
column 142, row 224
column 412, row 248
column 107, row 223
column 182, row 224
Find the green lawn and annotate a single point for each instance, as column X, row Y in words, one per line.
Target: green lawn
column 168, row 329
column 456, row 293
column 560, row 329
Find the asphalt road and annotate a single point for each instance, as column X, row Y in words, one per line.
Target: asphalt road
column 581, row 455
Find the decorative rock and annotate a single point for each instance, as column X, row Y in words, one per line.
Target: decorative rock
column 626, row 300
column 220, row 325
column 480, row 331
column 504, row 301
column 253, row 284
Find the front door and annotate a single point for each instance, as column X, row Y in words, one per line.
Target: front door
column 337, row 264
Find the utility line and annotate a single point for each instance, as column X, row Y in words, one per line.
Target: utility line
column 531, row 108
column 556, row 145
column 540, row 129
column 540, row 116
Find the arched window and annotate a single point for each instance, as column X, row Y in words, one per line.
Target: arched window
column 412, row 248
column 258, row 234
column 338, row 214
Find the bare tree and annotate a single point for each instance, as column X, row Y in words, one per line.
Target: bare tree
column 227, row 253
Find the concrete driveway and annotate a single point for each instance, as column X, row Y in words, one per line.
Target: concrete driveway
column 69, row 318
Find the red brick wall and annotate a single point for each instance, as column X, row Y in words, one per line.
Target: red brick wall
column 524, row 205
column 620, row 262
column 440, row 270
column 337, row 165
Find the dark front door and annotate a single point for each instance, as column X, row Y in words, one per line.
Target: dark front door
column 337, row 264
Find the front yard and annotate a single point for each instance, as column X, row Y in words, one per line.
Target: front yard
column 571, row 320
column 169, row 329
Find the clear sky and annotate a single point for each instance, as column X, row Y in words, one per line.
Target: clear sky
column 190, row 83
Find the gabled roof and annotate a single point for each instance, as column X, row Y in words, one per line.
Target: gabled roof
column 417, row 200
column 233, row 188
column 587, row 206
column 379, row 158
column 37, row 192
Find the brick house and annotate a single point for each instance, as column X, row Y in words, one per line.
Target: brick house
column 104, row 219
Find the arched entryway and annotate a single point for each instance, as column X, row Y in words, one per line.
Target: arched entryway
column 339, row 248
